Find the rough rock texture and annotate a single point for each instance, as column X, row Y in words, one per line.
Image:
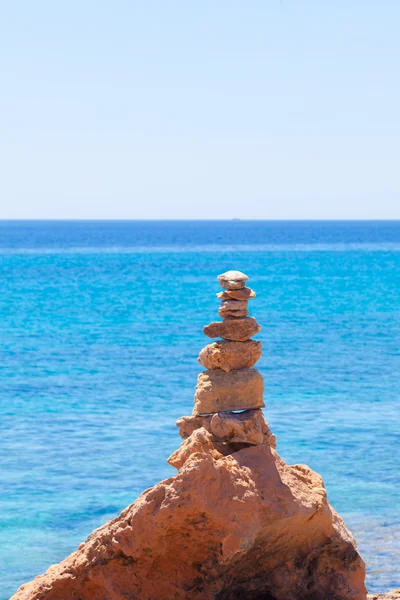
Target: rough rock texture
column 232, row 276
column 229, row 355
column 393, row 595
column 232, row 280
column 232, row 285
column 234, row 304
column 242, row 428
column 233, row 308
column 242, row 294
column 218, row 391
column 200, row 442
column 225, row 313
column 248, row 427
column 240, row 526
column 237, row 330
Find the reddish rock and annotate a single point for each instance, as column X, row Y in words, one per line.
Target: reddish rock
column 248, row 427
column 218, row 391
column 229, row 355
column 244, row 525
column 242, row 294
column 233, row 308
column 235, row 314
column 200, row 443
column 238, row 428
column 237, row 330
column 232, row 280
column 233, row 276
column 232, row 285
column 187, row 425
column 234, row 304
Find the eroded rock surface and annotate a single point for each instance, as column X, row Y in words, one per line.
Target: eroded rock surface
column 237, row 330
column 226, row 313
column 242, row 294
column 233, row 280
column 234, row 304
column 227, row 355
column 243, row 525
column 232, row 276
column 247, row 427
column 218, row 391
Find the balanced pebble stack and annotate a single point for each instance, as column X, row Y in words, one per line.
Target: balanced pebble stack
column 230, row 383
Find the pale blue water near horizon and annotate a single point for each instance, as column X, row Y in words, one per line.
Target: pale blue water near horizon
column 101, row 324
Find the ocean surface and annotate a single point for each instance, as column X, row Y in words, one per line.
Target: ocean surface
column 100, row 328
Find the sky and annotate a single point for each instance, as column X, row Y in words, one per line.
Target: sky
column 176, row 109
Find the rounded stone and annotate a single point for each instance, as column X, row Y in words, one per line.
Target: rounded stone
column 234, row 314
column 227, row 355
column 242, row 294
column 218, row 391
column 248, row 427
column 232, row 276
column 234, row 304
column 232, row 280
column 232, row 285
column 245, row 427
column 237, row 330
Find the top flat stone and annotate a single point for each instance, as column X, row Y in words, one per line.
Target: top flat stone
column 232, row 276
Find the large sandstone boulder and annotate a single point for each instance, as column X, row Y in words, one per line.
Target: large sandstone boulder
column 230, row 525
column 227, row 355
column 218, row 391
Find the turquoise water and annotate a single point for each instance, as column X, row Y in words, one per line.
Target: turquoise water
column 100, row 328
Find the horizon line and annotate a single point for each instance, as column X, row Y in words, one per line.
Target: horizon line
column 171, row 220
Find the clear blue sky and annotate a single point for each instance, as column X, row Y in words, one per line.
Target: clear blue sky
column 211, row 109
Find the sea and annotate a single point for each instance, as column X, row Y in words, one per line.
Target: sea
column 100, row 329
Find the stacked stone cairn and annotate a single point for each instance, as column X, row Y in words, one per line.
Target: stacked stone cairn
column 230, row 393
